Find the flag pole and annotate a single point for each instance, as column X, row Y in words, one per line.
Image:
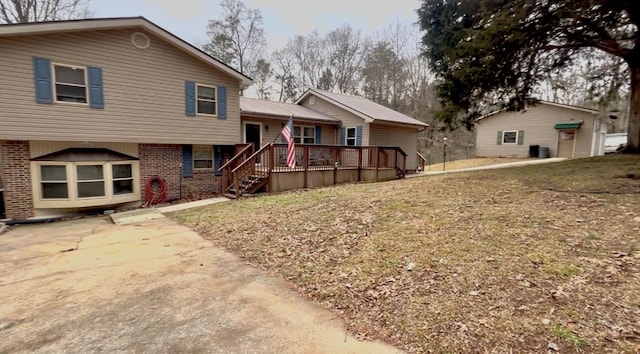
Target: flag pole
column 280, row 132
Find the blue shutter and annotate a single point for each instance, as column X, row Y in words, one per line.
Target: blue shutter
column 187, row 160
column 190, row 98
column 359, row 135
column 318, row 134
column 222, row 102
column 217, row 160
column 343, row 136
column 42, row 79
column 96, row 92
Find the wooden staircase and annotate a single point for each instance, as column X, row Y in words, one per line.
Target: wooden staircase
column 248, row 185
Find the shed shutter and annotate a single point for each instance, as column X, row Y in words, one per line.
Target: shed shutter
column 521, row 137
column 343, row 136
column 42, row 79
column 499, row 142
column 318, row 134
column 217, row 160
column 96, row 92
column 359, row 135
column 190, row 98
column 222, row 102
column 187, row 160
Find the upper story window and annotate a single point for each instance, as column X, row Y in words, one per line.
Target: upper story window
column 70, row 84
column 304, row 135
column 351, row 137
column 206, row 100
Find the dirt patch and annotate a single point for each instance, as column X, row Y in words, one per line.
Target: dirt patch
column 521, row 260
column 90, row 286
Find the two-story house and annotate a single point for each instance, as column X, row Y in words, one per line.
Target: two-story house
column 90, row 109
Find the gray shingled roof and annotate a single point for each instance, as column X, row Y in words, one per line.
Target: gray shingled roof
column 280, row 109
column 367, row 108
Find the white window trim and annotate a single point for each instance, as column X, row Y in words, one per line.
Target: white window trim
column 132, row 178
column 193, row 158
column 302, row 127
column 86, row 83
column 215, row 90
column 103, row 180
column 73, row 201
column 355, row 136
column 510, row 131
column 40, row 181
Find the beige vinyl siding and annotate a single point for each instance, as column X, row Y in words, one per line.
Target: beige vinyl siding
column 41, row 148
column 538, row 125
column 143, row 92
column 349, row 120
column 406, row 139
column 275, row 126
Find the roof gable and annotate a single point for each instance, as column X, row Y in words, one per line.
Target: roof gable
column 362, row 107
column 37, row 28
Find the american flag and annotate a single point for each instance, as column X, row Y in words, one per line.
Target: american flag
column 287, row 133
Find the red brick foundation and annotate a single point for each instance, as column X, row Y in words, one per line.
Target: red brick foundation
column 164, row 161
column 16, row 176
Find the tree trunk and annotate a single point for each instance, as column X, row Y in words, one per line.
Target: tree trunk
column 633, row 132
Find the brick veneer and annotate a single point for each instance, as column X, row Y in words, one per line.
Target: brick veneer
column 164, row 161
column 16, row 176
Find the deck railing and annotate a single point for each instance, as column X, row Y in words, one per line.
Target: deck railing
column 272, row 158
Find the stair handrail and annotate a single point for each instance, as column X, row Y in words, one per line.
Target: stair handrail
column 252, row 157
column 237, row 156
column 246, row 168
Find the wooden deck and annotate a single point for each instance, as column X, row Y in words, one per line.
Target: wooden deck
column 316, row 166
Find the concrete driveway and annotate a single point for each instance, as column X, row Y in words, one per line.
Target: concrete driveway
column 91, row 286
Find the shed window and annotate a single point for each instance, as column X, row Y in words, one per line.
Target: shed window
column 202, row 157
column 206, row 100
column 304, row 135
column 70, row 84
column 351, row 136
column 53, row 181
column 510, row 137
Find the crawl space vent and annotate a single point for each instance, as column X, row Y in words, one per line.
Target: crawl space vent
column 140, row 40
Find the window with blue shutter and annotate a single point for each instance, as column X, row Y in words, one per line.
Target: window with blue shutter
column 222, row 102
column 96, row 92
column 217, row 160
column 42, row 80
column 187, row 160
column 318, row 134
column 359, row 135
column 190, row 98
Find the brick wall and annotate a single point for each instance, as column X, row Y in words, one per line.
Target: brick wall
column 164, row 161
column 16, row 176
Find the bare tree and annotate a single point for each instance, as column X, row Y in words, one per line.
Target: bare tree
column 237, row 38
column 25, row 11
column 284, row 68
column 347, row 52
column 262, row 79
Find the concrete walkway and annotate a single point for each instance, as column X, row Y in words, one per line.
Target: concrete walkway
column 490, row 167
column 89, row 286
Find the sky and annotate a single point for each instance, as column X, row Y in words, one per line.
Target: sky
column 282, row 19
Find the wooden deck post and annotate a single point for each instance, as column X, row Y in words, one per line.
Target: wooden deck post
column 377, row 149
column 305, row 159
column 360, row 164
column 272, row 164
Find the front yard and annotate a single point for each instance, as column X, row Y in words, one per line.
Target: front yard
column 525, row 259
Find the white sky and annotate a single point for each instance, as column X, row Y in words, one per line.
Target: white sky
column 282, row 19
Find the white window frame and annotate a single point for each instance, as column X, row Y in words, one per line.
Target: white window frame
column 347, row 138
column 40, row 181
column 113, row 179
column 299, row 139
column 55, row 81
column 215, row 100
column 510, row 131
column 193, row 156
column 73, row 201
column 103, row 180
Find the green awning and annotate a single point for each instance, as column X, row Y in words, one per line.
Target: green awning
column 568, row 125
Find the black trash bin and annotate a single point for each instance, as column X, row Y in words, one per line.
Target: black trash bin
column 534, row 151
column 544, row 153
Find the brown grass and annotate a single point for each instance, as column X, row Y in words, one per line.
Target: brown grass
column 491, row 261
column 469, row 163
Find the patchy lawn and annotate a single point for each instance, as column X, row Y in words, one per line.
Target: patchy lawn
column 469, row 163
column 523, row 259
